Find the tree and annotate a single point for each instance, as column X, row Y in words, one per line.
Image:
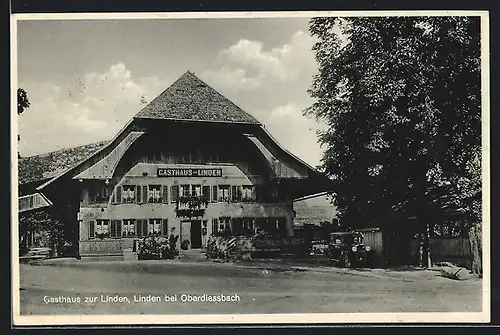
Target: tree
column 401, row 98
column 22, row 101
column 22, row 104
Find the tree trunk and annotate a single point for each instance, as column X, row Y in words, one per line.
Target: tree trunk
column 425, row 260
column 475, row 240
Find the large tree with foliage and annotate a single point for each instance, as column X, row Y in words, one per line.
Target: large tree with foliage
column 401, row 97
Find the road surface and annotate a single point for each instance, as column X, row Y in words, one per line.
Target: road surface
column 262, row 289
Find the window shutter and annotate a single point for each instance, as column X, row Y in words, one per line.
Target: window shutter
column 114, row 228
column 144, row 193
column 165, row 194
column 138, row 228
column 138, row 194
column 164, row 227
column 145, row 227
column 233, row 193
column 118, row 194
column 175, row 193
column 91, row 229
column 206, row 192
column 215, row 196
column 118, row 228
column 215, row 226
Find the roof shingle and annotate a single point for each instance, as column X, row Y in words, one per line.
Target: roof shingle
column 49, row 165
column 189, row 98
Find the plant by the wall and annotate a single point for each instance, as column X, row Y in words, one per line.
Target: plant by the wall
column 191, row 206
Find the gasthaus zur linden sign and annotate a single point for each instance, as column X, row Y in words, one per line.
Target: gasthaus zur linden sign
column 172, row 172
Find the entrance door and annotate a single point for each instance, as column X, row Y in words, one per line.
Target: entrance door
column 185, row 231
column 196, row 234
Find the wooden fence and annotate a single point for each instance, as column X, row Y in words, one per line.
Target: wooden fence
column 101, row 247
column 456, row 250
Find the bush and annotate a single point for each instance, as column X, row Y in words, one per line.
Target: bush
column 158, row 248
column 185, row 244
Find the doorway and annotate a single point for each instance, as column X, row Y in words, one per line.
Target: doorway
column 196, row 234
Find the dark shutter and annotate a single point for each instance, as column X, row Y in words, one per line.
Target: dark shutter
column 144, row 193
column 215, row 226
column 164, row 227
column 138, row 228
column 118, row 194
column 214, row 193
column 118, row 228
column 165, row 194
column 138, row 194
column 175, row 193
column 205, row 191
column 258, row 193
column 145, row 226
column 91, row 229
column 233, row 194
column 112, row 228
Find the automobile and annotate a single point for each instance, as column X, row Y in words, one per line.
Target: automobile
column 346, row 249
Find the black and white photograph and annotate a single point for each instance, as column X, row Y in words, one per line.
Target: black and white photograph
column 265, row 167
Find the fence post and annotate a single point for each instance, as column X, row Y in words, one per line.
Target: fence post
column 475, row 238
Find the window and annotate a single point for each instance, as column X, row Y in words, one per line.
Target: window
column 272, row 226
column 142, row 228
column 91, row 230
column 128, row 193
column 215, row 194
column 225, row 224
column 154, row 194
column 102, row 194
column 205, row 192
column 236, row 193
column 128, row 228
column 154, row 227
column 248, row 225
column 175, row 193
column 185, row 190
column 196, row 190
column 224, row 193
column 102, row 228
column 116, row 228
column 248, row 194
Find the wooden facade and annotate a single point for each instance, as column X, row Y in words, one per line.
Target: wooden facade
column 132, row 187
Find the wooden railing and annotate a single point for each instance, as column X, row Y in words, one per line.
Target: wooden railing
column 101, row 247
column 32, row 201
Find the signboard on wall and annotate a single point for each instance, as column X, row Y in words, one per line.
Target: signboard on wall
column 181, row 172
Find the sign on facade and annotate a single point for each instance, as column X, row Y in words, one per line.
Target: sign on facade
column 179, row 172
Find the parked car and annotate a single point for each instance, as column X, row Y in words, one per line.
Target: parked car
column 346, row 249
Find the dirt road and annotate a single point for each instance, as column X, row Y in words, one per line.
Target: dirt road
column 259, row 290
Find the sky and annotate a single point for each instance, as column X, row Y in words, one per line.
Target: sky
column 85, row 78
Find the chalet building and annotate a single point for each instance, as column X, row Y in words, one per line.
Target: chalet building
column 190, row 145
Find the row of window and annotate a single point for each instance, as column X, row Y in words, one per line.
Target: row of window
column 171, row 194
column 128, row 228
column 159, row 227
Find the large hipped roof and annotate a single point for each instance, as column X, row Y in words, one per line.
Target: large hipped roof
column 190, row 99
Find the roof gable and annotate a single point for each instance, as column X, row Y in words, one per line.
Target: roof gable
column 190, row 99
